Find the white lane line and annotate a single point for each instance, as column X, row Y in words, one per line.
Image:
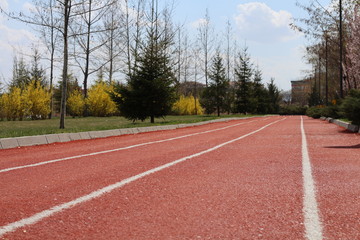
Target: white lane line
column 313, row 227
column 47, row 213
column 118, row 149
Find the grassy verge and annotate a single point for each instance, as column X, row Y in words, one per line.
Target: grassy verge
column 345, row 120
column 50, row 126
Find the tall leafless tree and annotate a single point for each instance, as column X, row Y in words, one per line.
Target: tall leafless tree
column 206, row 40
column 113, row 38
column 87, row 36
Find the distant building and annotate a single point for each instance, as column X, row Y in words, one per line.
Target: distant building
column 300, row 91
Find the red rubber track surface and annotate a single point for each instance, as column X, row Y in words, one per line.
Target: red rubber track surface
column 335, row 155
column 249, row 189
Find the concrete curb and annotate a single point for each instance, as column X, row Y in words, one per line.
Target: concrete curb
column 6, row 143
column 348, row 126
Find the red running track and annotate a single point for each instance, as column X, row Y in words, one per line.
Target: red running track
column 242, row 180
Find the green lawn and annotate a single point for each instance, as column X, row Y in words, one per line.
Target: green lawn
column 39, row 127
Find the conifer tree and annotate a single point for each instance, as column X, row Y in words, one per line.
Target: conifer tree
column 274, row 97
column 259, row 93
column 243, row 74
column 150, row 91
column 214, row 96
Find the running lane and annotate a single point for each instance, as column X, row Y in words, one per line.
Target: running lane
column 243, row 182
column 39, row 188
column 335, row 155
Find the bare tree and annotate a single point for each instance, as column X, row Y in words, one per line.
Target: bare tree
column 186, row 56
column 45, row 13
column 113, row 39
column 228, row 48
column 206, row 42
column 87, row 36
column 134, row 27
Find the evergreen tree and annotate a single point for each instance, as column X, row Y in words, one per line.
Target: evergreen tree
column 214, row 95
column 314, row 97
column 273, row 97
column 150, row 91
column 259, row 93
column 243, row 74
column 21, row 74
column 37, row 72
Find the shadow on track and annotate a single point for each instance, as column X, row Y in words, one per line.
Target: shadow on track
column 345, row 147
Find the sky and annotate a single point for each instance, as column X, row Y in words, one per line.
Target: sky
column 262, row 26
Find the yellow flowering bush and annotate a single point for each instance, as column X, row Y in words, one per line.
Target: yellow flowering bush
column 36, row 100
column 33, row 101
column 75, row 103
column 99, row 101
column 187, row 106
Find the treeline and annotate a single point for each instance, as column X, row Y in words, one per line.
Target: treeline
column 334, row 36
column 144, row 60
column 247, row 94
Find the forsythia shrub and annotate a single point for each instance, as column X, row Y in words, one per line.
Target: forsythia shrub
column 75, row 103
column 33, row 101
column 99, row 101
column 186, row 106
column 36, row 100
column 2, row 109
column 13, row 107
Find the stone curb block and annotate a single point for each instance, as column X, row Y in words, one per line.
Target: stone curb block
column 125, row 131
column 147, row 129
column 31, row 141
column 9, row 143
column 85, row 135
column 64, row 137
column 353, row 128
column 96, row 134
column 134, row 130
column 74, row 136
column 330, row 120
column 348, row 126
column 111, row 133
column 52, row 138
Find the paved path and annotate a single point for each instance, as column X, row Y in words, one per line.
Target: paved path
column 261, row 178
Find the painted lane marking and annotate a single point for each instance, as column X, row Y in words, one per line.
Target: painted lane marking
column 119, row 149
column 313, row 227
column 59, row 208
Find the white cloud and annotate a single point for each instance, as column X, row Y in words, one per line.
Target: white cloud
column 258, row 22
column 28, row 7
column 13, row 41
column 200, row 22
column 4, row 4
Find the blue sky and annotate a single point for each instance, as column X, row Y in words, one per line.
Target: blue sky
column 261, row 25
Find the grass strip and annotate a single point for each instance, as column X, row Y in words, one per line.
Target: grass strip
column 9, row 129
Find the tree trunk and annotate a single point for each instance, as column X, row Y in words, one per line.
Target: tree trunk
column 65, row 64
column 52, row 59
column 152, row 119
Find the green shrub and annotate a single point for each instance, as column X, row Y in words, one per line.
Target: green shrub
column 351, row 107
column 293, row 110
column 330, row 112
column 314, row 112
